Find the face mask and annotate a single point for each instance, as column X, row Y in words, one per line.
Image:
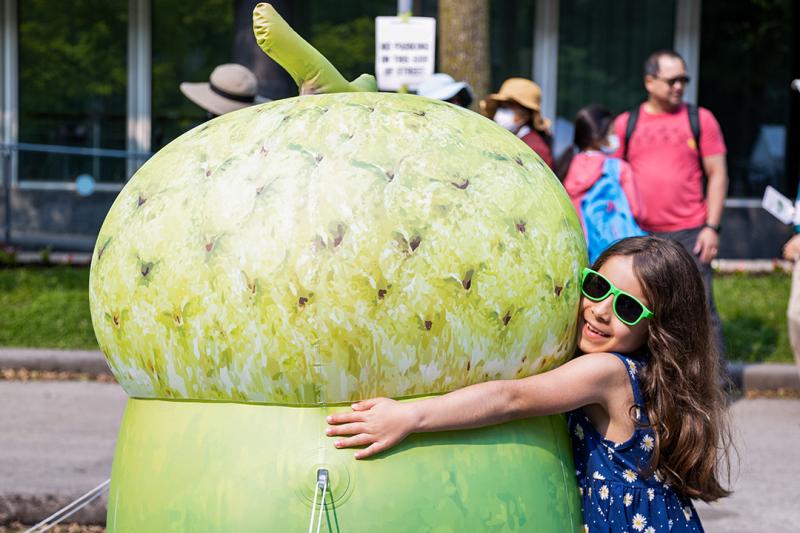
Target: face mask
column 612, row 144
column 506, row 118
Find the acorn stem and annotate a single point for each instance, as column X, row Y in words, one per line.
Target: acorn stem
column 309, row 69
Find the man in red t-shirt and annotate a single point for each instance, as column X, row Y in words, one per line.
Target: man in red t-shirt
column 666, row 166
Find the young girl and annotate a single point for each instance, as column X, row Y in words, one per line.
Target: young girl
column 644, row 404
column 581, row 165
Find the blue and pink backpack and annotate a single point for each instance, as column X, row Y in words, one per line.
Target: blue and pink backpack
column 607, row 214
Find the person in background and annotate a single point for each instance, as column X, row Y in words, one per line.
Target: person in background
column 582, row 164
column 443, row 87
column 669, row 164
column 229, row 88
column 791, row 252
column 517, row 108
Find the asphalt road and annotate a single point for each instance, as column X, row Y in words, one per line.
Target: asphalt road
column 57, row 442
column 766, row 480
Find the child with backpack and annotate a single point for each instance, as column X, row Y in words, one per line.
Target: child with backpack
column 643, row 399
column 601, row 187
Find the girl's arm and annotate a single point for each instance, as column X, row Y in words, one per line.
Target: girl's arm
column 381, row 423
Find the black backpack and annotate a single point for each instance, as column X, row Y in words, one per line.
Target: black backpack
column 694, row 124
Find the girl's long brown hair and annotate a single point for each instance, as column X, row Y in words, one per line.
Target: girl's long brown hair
column 682, row 380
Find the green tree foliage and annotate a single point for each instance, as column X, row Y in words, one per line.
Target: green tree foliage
column 189, row 40
column 344, row 31
column 72, row 62
column 350, row 46
column 602, row 45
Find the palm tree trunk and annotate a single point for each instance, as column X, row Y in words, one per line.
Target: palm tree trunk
column 464, row 43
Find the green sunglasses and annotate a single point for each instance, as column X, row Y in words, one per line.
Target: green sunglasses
column 627, row 308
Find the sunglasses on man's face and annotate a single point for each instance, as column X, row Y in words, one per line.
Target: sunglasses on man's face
column 627, row 308
column 683, row 80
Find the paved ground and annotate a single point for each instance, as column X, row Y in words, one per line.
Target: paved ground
column 767, row 434
column 57, row 441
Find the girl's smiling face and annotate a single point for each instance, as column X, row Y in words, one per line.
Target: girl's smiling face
column 599, row 328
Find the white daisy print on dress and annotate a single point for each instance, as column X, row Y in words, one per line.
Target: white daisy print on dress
column 687, row 512
column 579, row 431
column 632, row 367
column 647, row 443
column 598, row 475
column 650, row 529
column 603, row 492
column 627, row 499
column 609, row 452
column 651, row 493
column 629, row 475
column 639, row 521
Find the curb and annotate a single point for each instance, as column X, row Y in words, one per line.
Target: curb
column 746, row 377
column 53, row 360
column 764, row 376
column 751, row 266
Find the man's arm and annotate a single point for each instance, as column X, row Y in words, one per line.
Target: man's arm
column 716, row 170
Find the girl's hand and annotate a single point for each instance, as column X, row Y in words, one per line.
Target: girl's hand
column 379, row 424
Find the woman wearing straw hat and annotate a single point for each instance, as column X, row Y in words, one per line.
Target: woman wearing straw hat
column 229, row 88
column 516, row 107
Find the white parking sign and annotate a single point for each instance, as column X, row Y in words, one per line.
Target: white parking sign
column 404, row 51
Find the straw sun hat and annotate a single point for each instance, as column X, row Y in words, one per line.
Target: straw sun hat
column 521, row 91
column 230, row 87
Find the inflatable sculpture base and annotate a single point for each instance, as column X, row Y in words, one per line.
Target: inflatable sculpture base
column 201, row 466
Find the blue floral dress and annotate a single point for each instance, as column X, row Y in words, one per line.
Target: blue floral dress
column 616, row 495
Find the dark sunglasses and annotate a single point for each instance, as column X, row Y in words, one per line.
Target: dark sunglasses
column 684, row 80
column 627, row 308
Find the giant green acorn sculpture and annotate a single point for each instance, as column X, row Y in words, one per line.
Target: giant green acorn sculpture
column 289, row 257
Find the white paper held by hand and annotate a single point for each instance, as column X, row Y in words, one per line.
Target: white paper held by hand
column 778, row 205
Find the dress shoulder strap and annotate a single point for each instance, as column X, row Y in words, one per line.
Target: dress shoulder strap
column 633, row 367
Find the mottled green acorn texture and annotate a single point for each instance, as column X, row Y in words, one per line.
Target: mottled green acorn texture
column 328, row 248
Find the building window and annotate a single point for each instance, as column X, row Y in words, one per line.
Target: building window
column 511, row 34
column 72, row 88
column 189, row 40
column 745, row 83
column 602, row 46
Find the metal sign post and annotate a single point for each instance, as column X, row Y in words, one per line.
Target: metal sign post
column 6, row 154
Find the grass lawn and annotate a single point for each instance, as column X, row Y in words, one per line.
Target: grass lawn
column 753, row 312
column 49, row 307
column 45, row 308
